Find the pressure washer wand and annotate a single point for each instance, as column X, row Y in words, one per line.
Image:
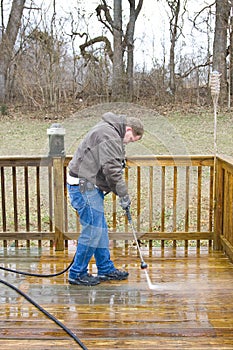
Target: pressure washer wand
column 127, row 211
column 143, row 264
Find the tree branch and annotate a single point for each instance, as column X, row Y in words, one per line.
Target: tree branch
column 79, row 34
column 88, row 55
column 191, row 69
column 108, row 21
column 200, row 12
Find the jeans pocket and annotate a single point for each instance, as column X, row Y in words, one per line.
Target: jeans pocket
column 76, row 199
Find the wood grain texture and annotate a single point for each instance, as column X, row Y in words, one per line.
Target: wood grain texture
column 191, row 307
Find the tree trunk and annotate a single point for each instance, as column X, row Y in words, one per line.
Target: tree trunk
column 130, row 52
column 220, row 45
column 8, row 41
column 129, row 37
column 175, row 8
column 231, row 57
column 118, row 68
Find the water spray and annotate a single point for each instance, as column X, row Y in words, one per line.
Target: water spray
column 143, row 264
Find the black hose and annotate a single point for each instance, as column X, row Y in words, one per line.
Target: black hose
column 67, row 330
column 54, row 319
column 35, row 274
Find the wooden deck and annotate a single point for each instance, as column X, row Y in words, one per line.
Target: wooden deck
column 192, row 307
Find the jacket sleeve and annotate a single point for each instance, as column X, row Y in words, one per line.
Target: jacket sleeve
column 111, row 157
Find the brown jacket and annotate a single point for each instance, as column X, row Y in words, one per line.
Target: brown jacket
column 100, row 156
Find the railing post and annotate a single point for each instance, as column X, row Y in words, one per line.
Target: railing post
column 218, row 205
column 56, row 135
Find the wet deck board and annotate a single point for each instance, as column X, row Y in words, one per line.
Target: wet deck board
column 191, row 307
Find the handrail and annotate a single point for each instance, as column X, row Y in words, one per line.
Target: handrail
column 172, row 200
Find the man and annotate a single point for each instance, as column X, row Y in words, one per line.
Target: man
column 95, row 169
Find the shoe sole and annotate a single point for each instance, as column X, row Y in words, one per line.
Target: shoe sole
column 102, row 279
column 83, row 283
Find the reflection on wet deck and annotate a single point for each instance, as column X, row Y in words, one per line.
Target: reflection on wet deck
column 190, row 308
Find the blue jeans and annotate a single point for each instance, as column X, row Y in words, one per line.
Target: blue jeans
column 93, row 239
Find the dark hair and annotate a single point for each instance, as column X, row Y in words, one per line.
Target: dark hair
column 136, row 125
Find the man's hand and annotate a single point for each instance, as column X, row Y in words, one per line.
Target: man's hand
column 125, row 202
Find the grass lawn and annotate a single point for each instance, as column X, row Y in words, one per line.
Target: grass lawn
column 166, row 132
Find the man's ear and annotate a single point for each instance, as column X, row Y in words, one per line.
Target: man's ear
column 128, row 128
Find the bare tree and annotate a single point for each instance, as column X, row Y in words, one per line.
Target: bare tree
column 129, row 43
column 118, row 69
column 220, row 44
column 175, row 26
column 7, row 42
column 38, row 68
column 122, row 77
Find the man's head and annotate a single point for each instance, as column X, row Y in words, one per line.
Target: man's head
column 134, row 130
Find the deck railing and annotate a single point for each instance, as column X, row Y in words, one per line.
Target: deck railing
column 172, row 202
column 224, row 206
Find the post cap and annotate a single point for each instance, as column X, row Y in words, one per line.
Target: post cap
column 56, row 129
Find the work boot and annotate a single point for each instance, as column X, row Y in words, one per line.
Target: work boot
column 114, row 275
column 85, row 280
